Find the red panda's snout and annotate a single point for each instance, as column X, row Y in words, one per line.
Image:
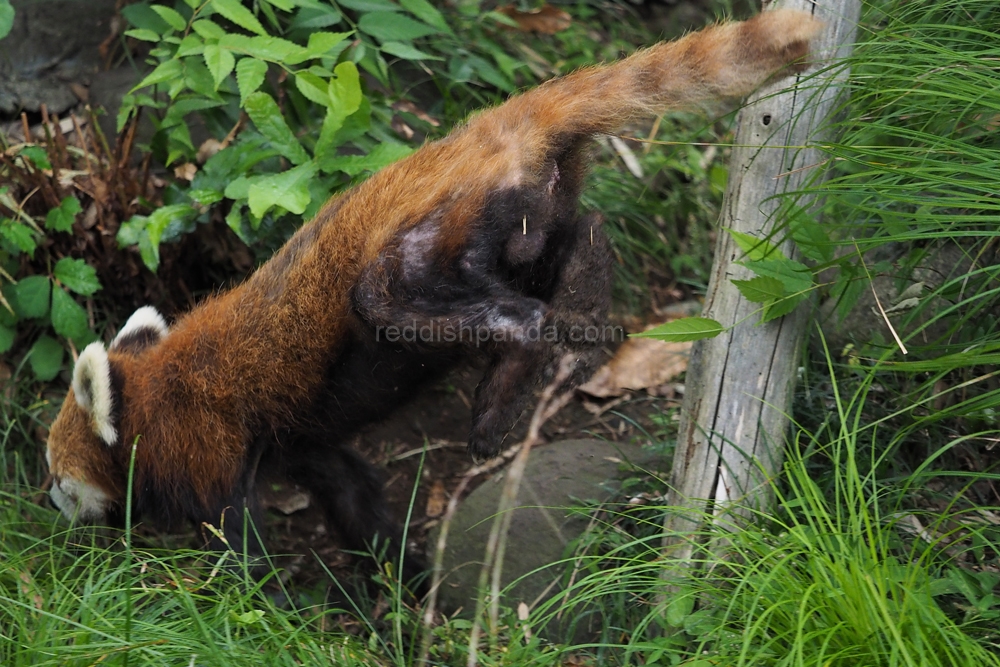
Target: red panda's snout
column 84, row 484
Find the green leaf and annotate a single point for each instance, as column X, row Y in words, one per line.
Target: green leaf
column 61, row 219
column 754, row 248
column 313, row 18
column 795, row 276
column 46, row 358
column 168, row 70
column 37, row 156
column 370, row 5
column 313, row 88
column 6, row 18
column 393, row 27
column 812, row 239
column 345, row 90
column 283, row 5
column 407, row 52
column 320, row 43
column 6, row 336
column 427, row 13
column 171, row 17
column 220, row 62
column 165, row 216
column 781, row 307
column 685, row 329
column 77, row 275
column 266, row 116
column 69, row 319
column 382, row 155
column 678, row 609
column 250, row 74
column 761, row 289
column 289, row 190
column 238, row 14
column 20, row 236
column 191, row 45
column 273, row 49
column 208, row 29
column 31, row 296
column 140, row 15
column 337, row 130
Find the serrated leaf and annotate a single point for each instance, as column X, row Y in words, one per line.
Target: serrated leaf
column 812, row 239
column 407, row 52
column 289, row 190
column 283, row 5
column 168, row 70
column 46, row 358
column 170, row 16
column 393, row 27
column 140, row 15
column 31, row 296
column 250, row 74
column 274, row 49
column 685, row 329
column 69, row 319
column 370, row 5
column 6, row 18
column 20, row 236
column 220, row 62
column 208, row 29
column 191, row 45
column 77, row 275
column 61, row 218
column 781, row 307
column 345, row 90
column 753, row 248
column 761, row 289
column 382, row 155
column 7, row 335
column 238, row 14
column 312, row 18
column 795, row 276
column 427, row 13
column 312, row 88
column 266, row 116
column 320, row 43
column 37, row 156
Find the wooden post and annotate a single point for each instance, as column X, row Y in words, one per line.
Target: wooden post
column 739, row 385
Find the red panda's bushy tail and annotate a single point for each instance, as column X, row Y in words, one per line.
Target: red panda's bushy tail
column 724, row 61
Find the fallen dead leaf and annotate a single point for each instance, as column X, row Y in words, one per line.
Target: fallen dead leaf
column 640, row 363
column 208, row 148
column 546, row 19
column 186, row 171
column 436, row 499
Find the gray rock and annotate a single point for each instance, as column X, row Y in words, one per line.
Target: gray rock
column 52, row 44
column 559, row 476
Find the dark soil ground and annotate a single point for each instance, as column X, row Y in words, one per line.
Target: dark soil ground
column 439, row 417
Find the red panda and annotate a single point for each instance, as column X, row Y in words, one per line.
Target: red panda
column 477, row 234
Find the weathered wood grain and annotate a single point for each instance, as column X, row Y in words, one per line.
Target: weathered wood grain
column 739, row 385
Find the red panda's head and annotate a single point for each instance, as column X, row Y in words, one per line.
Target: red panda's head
column 86, row 456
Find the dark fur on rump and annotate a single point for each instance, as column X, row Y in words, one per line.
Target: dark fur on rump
column 477, row 236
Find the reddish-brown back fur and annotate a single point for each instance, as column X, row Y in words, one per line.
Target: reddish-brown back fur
column 250, row 359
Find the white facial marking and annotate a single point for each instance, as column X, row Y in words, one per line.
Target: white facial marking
column 79, row 501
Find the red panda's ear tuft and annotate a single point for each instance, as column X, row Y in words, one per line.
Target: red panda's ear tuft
column 92, row 387
column 146, row 327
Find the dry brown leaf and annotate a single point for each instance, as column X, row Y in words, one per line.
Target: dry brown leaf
column 640, row 363
column 186, row 171
column 208, row 148
column 546, row 19
column 436, row 500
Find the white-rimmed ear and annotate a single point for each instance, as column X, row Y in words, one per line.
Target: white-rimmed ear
column 145, row 327
column 92, row 387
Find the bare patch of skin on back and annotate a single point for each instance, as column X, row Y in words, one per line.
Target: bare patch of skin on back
column 417, row 247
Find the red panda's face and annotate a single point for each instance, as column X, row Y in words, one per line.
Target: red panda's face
column 84, row 449
column 86, row 482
